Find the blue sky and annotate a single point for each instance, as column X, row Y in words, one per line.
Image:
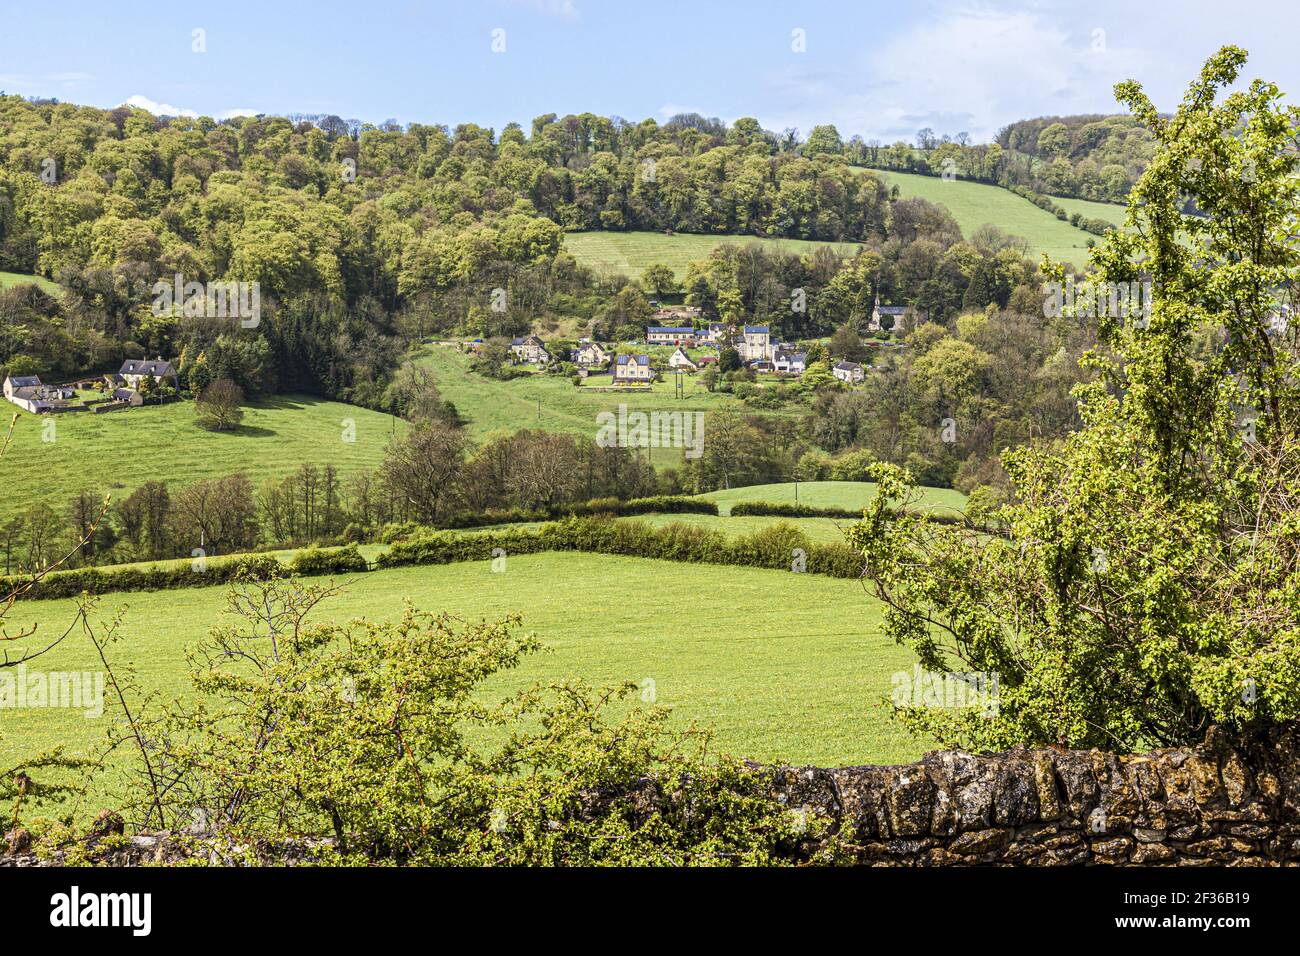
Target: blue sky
column 883, row 70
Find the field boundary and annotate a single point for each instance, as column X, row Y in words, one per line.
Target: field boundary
column 588, row 527
column 780, row 547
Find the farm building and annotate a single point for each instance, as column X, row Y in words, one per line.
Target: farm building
column 15, row 382
column 632, row 369
column 121, row 398
column 30, row 394
column 135, row 371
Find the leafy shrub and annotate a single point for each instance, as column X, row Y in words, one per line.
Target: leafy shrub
column 394, row 531
column 346, row 560
column 1146, row 587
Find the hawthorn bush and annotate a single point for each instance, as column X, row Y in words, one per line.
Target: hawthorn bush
column 1149, row 583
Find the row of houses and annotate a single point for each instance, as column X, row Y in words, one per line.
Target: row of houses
column 754, row 340
column 531, row 350
column 753, row 343
column 754, row 346
column 636, row 368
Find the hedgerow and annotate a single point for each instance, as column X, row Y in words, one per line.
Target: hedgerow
column 785, row 510
column 782, row 546
column 661, row 504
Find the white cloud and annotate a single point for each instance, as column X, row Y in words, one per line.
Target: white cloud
column 968, row 67
column 167, row 109
column 156, row 108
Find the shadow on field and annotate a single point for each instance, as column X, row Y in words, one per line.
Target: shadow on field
column 252, row 431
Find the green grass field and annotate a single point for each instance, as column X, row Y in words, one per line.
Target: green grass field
column 975, row 204
column 630, row 252
column 553, row 403
column 8, row 279
column 119, row 451
column 820, row 530
column 831, row 494
column 782, row 666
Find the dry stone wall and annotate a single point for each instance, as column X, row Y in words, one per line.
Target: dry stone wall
column 1225, row 802
column 1221, row 803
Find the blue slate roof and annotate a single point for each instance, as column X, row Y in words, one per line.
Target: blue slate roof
column 157, row 369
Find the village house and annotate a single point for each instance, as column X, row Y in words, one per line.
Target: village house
column 755, row 344
column 670, row 335
column 135, row 371
column 679, row 359
column 530, row 350
column 715, row 334
column 850, row 372
column 590, row 353
column 791, row 363
column 632, row 370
